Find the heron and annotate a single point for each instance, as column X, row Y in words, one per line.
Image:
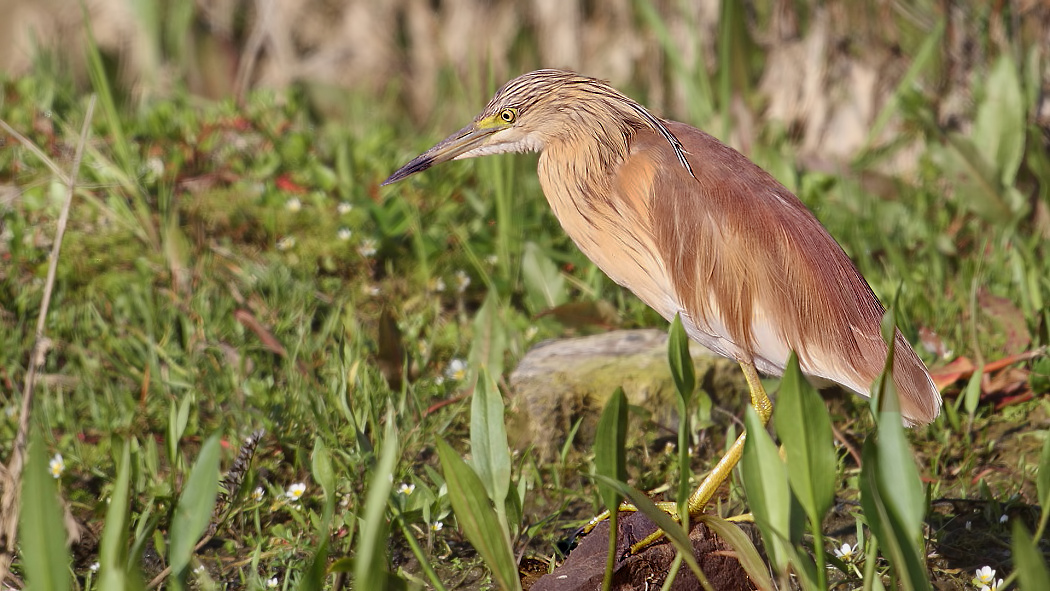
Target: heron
column 695, row 229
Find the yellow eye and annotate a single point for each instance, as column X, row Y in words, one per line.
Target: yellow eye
column 508, row 115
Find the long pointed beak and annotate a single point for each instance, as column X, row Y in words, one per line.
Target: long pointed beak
column 452, row 147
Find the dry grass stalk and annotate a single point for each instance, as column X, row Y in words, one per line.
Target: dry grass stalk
column 11, row 478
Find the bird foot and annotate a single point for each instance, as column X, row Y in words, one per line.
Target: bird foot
column 625, row 507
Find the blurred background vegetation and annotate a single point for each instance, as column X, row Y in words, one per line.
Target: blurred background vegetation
column 231, row 262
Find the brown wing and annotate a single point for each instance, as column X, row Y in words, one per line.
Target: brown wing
column 756, row 274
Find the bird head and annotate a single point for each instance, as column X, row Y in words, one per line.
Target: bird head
column 533, row 110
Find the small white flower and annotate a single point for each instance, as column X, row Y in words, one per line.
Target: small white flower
column 436, row 526
column 295, row 491
column 439, row 380
column 847, row 553
column 457, row 370
column 272, row 582
column 258, row 494
column 344, row 234
column 969, row 525
column 344, row 207
column 286, row 243
column 367, row 248
column 462, row 281
column 1004, row 518
column 372, row 290
column 57, row 466
column 94, row 567
column 985, row 579
column 491, row 260
column 293, row 205
column 436, row 284
column 199, row 569
column 406, row 488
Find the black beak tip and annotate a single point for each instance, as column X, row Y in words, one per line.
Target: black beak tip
column 418, row 165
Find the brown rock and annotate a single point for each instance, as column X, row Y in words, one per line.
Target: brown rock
column 584, row 568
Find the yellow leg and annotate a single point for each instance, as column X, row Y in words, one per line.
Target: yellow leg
column 722, row 470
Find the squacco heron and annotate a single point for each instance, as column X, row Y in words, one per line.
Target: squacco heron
column 693, row 227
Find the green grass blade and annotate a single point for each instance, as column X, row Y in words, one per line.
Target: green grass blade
column 42, row 542
column 681, row 361
column 1028, row 560
column 610, row 459
column 1042, row 478
column 804, row 428
column 370, row 566
column 113, row 552
column 477, row 518
column 746, row 552
column 671, row 528
column 194, row 509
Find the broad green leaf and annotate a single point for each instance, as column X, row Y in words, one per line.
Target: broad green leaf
column 113, row 556
column 194, row 508
column 804, row 428
column 765, row 479
column 999, row 126
column 490, row 337
column 488, row 438
column 544, row 283
column 370, row 568
column 1028, row 560
column 42, row 537
column 884, row 497
column 681, row 361
column 610, row 438
column 477, row 518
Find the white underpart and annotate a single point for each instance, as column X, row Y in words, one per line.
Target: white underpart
column 504, row 142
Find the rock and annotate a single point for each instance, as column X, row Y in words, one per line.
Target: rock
column 584, row 568
column 560, row 381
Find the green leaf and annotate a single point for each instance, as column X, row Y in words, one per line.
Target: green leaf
column 681, row 361
column 488, row 442
column 887, row 497
column 999, row 125
column 765, row 479
column 477, row 518
column 544, row 283
column 610, row 438
column 972, row 395
column 42, row 537
column 746, row 552
column 804, row 428
column 490, row 337
column 671, row 528
column 321, row 466
column 194, row 509
column 1028, row 559
column 1042, row 478
column 113, row 549
column 370, row 567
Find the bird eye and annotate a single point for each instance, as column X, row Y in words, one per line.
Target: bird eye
column 508, row 115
